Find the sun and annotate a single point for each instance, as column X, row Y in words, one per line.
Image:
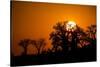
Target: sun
column 71, row 26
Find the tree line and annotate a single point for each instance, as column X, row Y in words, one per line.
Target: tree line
column 38, row 44
column 73, row 39
column 64, row 40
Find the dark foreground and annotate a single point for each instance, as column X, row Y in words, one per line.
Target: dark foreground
column 79, row 55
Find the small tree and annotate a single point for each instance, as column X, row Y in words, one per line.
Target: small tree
column 24, row 43
column 39, row 44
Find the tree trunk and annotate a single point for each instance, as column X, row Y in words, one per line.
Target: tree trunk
column 38, row 50
column 25, row 51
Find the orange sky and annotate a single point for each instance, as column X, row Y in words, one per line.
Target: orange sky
column 35, row 20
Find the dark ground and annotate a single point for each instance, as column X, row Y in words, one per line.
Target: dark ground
column 79, row 55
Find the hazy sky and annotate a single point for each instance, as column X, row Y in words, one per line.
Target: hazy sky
column 35, row 20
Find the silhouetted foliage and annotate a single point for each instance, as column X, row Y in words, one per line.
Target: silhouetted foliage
column 74, row 45
column 91, row 35
column 59, row 37
column 78, row 35
column 70, row 39
column 24, row 43
column 39, row 44
column 91, row 31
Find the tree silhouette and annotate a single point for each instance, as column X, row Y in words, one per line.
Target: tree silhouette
column 59, row 37
column 39, row 44
column 91, row 32
column 67, row 39
column 78, row 35
column 24, row 43
column 91, row 35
